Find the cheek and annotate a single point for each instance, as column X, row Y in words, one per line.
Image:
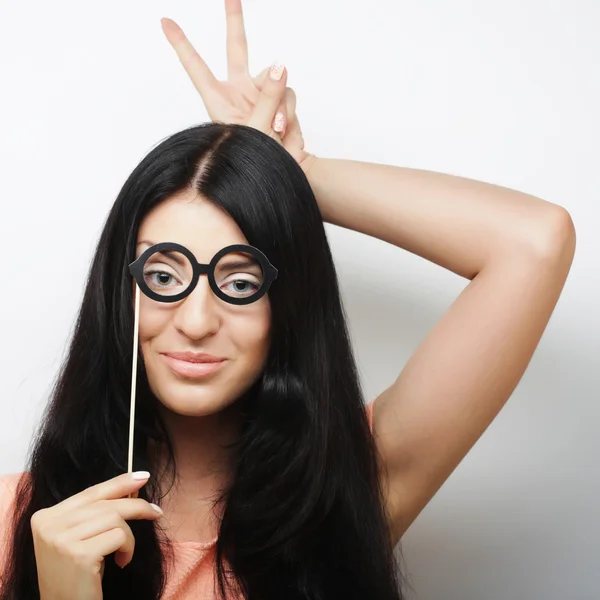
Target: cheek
column 250, row 332
column 152, row 322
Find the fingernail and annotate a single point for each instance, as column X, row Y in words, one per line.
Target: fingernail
column 279, row 123
column 276, row 71
column 158, row 509
column 138, row 475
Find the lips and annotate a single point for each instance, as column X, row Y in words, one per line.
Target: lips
column 194, row 370
column 194, row 357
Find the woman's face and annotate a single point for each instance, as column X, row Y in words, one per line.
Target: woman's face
column 201, row 322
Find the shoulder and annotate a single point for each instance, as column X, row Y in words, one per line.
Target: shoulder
column 369, row 409
column 8, row 489
column 9, row 482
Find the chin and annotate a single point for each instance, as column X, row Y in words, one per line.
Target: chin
column 199, row 397
column 193, row 401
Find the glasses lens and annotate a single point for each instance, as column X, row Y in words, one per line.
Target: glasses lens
column 239, row 275
column 168, row 272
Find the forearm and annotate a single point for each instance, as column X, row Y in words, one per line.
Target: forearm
column 457, row 223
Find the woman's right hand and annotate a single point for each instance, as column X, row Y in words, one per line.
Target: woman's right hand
column 72, row 538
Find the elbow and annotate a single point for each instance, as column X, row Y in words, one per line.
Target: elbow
column 556, row 235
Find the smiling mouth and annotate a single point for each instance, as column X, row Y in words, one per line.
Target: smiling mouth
column 192, row 370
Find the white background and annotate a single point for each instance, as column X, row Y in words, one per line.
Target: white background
column 504, row 92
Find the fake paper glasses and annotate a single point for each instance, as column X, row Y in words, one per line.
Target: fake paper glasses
column 238, row 274
column 169, row 272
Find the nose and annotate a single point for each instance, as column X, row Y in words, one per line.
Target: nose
column 197, row 315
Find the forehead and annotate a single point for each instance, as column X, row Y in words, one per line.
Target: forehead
column 190, row 220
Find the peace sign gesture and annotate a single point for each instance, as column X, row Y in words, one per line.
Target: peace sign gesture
column 263, row 102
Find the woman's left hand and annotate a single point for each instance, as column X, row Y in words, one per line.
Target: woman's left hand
column 259, row 102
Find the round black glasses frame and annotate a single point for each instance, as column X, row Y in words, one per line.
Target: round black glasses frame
column 136, row 268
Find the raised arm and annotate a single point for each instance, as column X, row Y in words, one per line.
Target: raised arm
column 517, row 251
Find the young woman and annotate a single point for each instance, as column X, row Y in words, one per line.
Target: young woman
column 274, row 480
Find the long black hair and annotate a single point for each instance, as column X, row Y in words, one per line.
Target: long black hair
column 303, row 516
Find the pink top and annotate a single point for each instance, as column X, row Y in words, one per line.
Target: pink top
column 193, row 573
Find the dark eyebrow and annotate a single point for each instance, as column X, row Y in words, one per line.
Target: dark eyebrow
column 237, row 263
column 172, row 254
column 232, row 263
column 176, row 257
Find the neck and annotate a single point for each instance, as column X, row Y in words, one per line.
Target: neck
column 203, row 470
column 203, row 461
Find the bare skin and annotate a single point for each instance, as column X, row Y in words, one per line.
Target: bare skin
column 72, row 538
